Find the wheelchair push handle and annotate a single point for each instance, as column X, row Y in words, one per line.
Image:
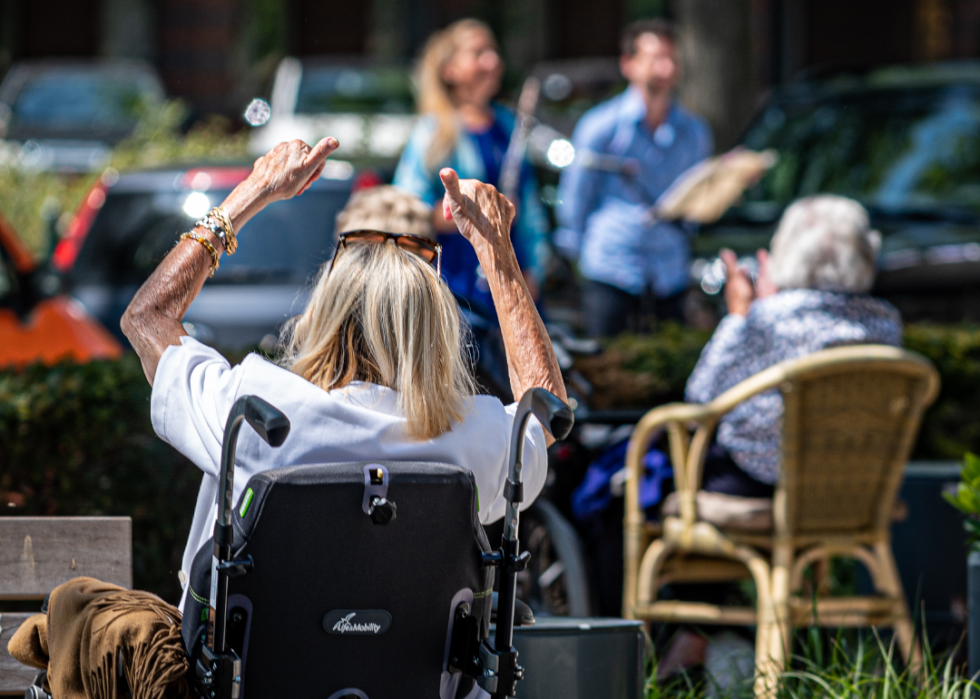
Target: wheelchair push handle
column 557, row 418
column 552, row 412
column 268, row 422
column 222, row 671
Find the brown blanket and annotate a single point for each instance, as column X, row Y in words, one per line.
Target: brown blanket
column 90, row 629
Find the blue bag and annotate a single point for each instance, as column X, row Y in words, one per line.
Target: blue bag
column 594, row 494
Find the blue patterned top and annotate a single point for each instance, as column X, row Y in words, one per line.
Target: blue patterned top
column 790, row 324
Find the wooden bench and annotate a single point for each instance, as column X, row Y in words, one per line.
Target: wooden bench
column 39, row 553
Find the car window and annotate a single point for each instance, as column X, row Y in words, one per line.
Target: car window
column 285, row 243
column 383, row 90
column 895, row 149
column 67, row 99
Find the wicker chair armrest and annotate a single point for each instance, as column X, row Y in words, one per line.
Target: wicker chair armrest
column 676, row 419
column 867, row 355
column 650, row 425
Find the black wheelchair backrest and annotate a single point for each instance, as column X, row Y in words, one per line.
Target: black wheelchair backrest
column 356, row 570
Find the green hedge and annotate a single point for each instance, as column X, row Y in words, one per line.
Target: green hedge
column 951, row 427
column 76, row 439
column 644, row 371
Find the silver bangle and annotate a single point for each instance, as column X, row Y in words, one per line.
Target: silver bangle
column 209, row 223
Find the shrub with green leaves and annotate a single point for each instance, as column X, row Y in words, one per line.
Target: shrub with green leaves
column 638, row 371
column 951, row 426
column 966, row 499
column 77, row 440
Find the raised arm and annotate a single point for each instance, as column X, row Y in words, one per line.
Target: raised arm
column 484, row 216
column 152, row 322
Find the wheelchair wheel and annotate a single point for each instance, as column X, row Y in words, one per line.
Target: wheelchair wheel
column 555, row 582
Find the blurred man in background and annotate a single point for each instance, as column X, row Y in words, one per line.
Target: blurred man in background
column 605, row 214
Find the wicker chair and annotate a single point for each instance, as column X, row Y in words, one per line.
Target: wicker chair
column 851, row 418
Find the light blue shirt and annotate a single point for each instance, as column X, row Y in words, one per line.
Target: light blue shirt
column 604, row 216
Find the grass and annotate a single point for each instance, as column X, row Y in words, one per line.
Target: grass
column 849, row 666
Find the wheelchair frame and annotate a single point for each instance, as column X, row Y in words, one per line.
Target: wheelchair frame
column 218, row 672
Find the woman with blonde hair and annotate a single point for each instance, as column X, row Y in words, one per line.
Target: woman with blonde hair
column 373, row 369
column 461, row 127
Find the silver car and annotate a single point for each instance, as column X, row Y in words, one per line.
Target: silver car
column 368, row 106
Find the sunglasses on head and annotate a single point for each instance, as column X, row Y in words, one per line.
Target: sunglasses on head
column 425, row 248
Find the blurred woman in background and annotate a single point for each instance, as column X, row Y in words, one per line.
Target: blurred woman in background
column 459, row 74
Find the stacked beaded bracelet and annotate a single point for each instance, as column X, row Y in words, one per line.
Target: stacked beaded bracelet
column 222, row 215
column 218, row 222
column 191, row 235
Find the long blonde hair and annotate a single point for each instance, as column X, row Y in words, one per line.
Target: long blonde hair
column 384, row 316
column 435, row 96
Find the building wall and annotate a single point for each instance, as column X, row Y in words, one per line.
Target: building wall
column 59, row 28
column 964, row 29
column 586, row 27
column 217, row 53
column 849, row 33
column 197, row 42
column 318, row 27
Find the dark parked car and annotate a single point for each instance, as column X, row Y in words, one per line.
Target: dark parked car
column 128, row 223
column 66, row 115
column 903, row 141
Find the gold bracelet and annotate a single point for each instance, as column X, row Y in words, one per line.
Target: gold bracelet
column 231, row 242
column 191, row 235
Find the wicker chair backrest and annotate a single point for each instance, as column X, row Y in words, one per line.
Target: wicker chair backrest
column 851, row 418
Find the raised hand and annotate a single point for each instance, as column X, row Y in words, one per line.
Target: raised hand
column 739, row 291
column 290, row 168
column 482, row 214
column 764, row 285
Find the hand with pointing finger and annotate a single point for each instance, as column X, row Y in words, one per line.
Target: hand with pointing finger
column 739, row 291
column 285, row 171
column 290, row 168
column 482, row 214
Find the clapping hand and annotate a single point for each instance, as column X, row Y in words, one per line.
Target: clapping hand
column 740, row 292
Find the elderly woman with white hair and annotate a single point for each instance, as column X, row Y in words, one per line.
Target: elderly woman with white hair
column 374, row 368
column 811, row 293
